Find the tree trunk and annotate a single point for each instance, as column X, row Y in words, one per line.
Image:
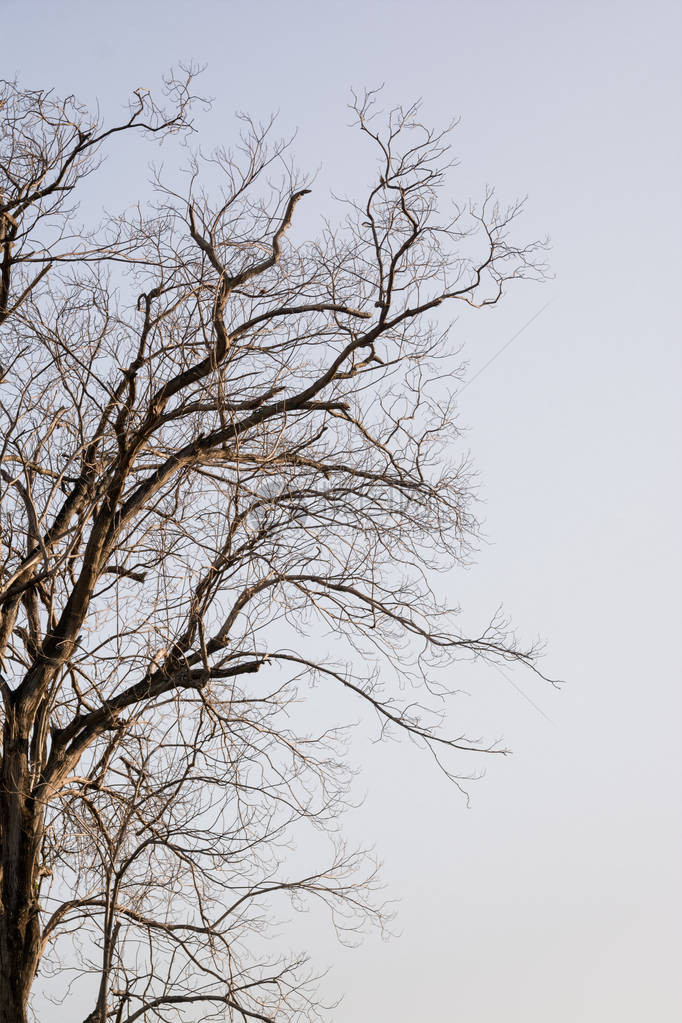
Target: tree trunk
column 21, row 822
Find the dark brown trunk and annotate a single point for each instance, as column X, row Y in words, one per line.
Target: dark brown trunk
column 21, row 824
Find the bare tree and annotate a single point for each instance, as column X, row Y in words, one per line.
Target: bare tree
column 225, row 451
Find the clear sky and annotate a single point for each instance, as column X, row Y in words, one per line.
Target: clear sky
column 556, row 897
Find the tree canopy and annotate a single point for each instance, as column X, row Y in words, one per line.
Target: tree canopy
column 227, row 472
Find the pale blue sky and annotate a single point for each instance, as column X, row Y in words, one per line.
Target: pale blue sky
column 557, row 895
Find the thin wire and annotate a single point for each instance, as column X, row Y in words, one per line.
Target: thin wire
column 524, row 695
column 504, row 347
column 463, row 388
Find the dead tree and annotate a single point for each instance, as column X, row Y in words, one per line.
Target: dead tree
column 226, row 471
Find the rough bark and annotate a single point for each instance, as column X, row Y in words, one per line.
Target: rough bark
column 22, row 825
